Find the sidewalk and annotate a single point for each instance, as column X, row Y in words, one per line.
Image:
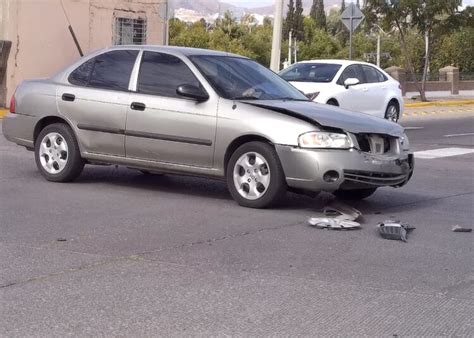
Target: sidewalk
column 448, row 101
column 3, row 112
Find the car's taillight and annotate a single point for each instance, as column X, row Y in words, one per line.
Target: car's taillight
column 12, row 104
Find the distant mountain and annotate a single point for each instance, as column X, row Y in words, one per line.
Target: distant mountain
column 210, row 8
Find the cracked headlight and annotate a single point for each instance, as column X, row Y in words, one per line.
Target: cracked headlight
column 321, row 139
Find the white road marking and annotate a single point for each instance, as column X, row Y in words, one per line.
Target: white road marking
column 443, row 152
column 458, row 135
column 414, row 128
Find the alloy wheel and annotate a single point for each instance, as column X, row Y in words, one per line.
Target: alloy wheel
column 53, row 153
column 251, row 175
column 392, row 113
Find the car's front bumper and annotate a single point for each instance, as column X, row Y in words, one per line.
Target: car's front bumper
column 305, row 169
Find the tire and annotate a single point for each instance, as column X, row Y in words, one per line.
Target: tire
column 255, row 177
column 333, row 102
column 392, row 113
column 356, row 194
column 57, row 153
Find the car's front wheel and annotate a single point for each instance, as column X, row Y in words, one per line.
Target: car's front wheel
column 57, row 153
column 255, row 177
column 356, row 194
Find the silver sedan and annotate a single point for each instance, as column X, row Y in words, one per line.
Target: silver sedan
column 205, row 113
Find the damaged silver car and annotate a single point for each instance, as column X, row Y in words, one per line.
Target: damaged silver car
column 204, row 113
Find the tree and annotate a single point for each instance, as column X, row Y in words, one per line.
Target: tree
column 318, row 15
column 290, row 18
column 298, row 24
column 425, row 16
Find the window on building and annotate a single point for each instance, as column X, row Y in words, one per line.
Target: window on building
column 130, row 31
column 110, row 70
column 160, row 74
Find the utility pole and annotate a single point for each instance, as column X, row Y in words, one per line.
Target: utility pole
column 378, row 50
column 276, row 42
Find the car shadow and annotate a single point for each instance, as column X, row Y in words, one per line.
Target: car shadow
column 384, row 202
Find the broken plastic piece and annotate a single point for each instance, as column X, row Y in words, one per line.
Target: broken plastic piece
column 333, row 223
column 341, row 211
column 458, row 228
column 395, row 230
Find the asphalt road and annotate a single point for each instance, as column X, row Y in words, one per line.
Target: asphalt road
column 119, row 253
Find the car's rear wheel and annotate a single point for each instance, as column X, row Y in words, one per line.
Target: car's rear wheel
column 356, row 194
column 333, row 102
column 255, row 177
column 393, row 112
column 57, row 153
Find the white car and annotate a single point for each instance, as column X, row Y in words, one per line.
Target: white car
column 352, row 85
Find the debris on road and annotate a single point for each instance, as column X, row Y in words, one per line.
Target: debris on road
column 333, row 223
column 458, row 228
column 341, row 211
column 339, row 216
column 394, row 230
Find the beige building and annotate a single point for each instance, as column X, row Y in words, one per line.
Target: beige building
column 42, row 44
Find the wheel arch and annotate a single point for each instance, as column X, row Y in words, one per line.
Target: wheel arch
column 335, row 101
column 240, row 141
column 393, row 100
column 47, row 120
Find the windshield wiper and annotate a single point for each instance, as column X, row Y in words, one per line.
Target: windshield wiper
column 287, row 98
column 245, row 98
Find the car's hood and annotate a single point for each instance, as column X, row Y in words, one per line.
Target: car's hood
column 331, row 117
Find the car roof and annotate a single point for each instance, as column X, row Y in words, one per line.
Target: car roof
column 341, row 62
column 184, row 51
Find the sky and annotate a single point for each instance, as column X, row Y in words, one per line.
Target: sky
column 261, row 3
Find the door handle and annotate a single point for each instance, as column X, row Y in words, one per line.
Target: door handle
column 365, row 89
column 138, row 106
column 68, row 97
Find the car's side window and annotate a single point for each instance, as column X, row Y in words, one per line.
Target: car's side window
column 161, row 74
column 373, row 75
column 352, row 71
column 110, row 70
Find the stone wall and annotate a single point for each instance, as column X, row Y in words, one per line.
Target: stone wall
column 448, row 81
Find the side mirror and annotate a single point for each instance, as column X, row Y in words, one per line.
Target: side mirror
column 192, row 92
column 351, row 82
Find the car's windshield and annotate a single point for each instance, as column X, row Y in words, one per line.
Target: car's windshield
column 239, row 78
column 310, row 72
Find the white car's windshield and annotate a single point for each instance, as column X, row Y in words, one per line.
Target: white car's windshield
column 310, row 72
column 243, row 79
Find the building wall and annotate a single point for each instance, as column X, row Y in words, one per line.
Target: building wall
column 42, row 44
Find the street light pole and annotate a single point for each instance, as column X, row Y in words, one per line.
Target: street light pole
column 276, row 42
column 378, row 50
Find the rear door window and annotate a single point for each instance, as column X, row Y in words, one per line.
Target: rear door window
column 110, row 70
column 373, row 75
column 161, row 74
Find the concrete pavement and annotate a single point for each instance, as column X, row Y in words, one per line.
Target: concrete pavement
column 119, row 253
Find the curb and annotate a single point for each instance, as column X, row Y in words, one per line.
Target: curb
column 3, row 112
column 436, row 112
column 439, row 103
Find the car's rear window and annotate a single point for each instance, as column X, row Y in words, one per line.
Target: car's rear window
column 311, row 72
